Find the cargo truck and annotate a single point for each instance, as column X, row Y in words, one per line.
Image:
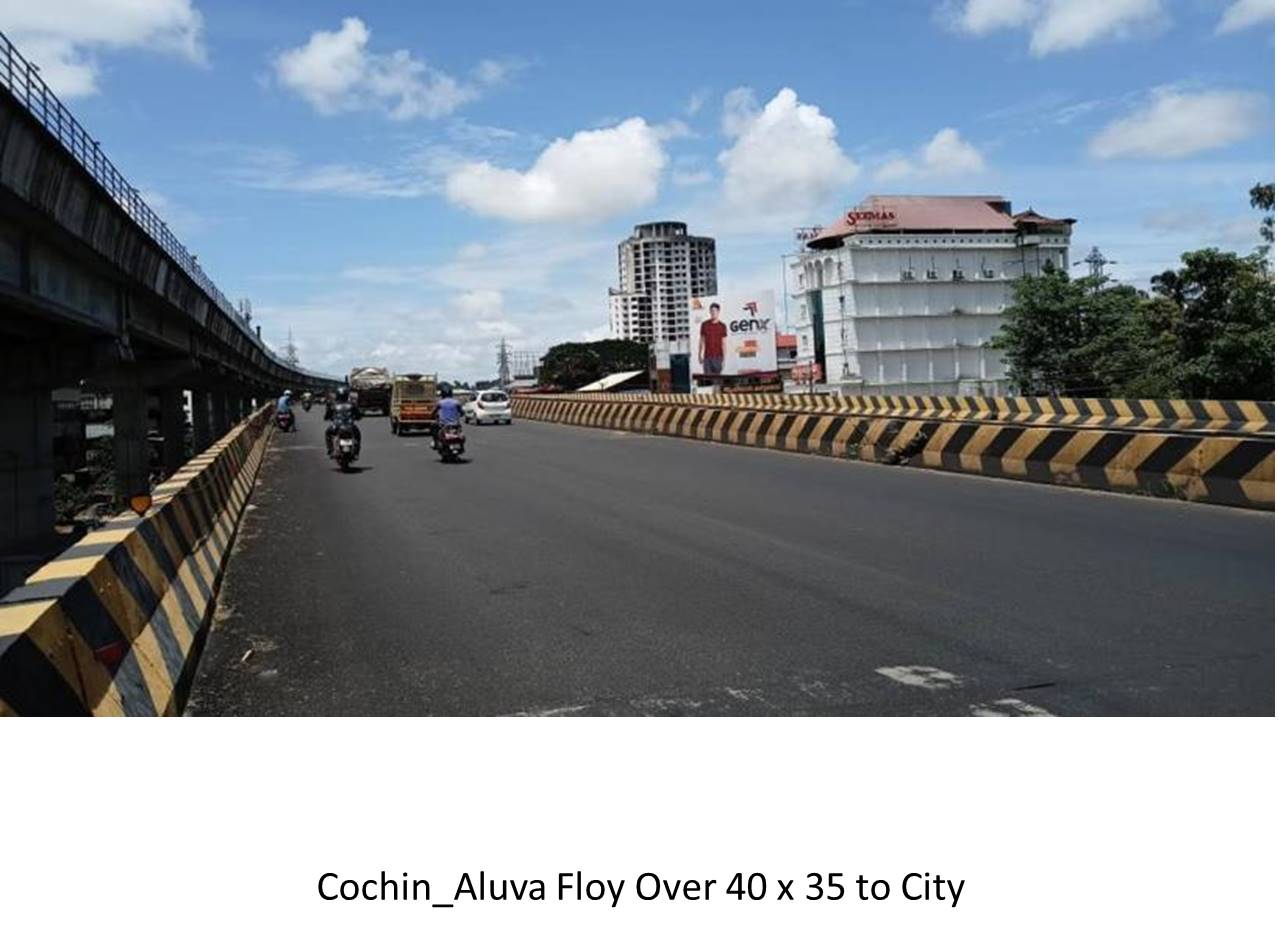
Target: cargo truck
column 413, row 399
column 372, row 388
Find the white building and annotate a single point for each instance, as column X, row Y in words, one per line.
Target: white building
column 660, row 268
column 903, row 294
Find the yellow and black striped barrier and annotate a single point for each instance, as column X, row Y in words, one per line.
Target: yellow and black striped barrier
column 1246, row 417
column 114, row 624
column 1236, row 470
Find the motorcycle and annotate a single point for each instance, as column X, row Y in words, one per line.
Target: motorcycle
column 306, row 405
column 285, row 421
column 451, row 443
column 345, row 449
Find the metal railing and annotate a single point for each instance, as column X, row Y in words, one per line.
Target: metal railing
column 22, row 79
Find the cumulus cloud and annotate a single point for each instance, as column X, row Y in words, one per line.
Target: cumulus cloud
column 1059, row 25
column 64, row 38
column 1243, row 14
column 979, row 17
column 593, row 175
column 337, row 71
column 1175, row 124
column 946, row 154
column 785, row 158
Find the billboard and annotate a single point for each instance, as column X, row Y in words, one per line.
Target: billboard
column 733, row 335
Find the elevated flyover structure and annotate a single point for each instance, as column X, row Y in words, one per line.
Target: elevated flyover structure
column 96, row 291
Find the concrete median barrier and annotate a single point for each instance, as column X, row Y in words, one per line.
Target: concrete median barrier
column 114, row 625
column 1207, row 463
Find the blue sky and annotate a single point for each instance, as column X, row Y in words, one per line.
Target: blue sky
column 408, row 183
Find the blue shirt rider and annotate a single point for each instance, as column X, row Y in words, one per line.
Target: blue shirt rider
column 285, row 403
column 450, row 411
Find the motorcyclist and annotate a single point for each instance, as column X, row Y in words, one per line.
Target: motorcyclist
column 448, row 412
column 341, row 412
column 285, row 403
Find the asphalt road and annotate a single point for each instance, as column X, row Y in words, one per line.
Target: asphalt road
column 579, row 571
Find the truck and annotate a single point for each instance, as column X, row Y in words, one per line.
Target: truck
column 372, row 388
column 413, row 399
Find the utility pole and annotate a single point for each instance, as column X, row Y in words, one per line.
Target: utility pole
column 290, row 350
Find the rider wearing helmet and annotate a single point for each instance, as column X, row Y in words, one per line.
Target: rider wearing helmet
column 341, row 412
column 285, row 403
column 448, row 411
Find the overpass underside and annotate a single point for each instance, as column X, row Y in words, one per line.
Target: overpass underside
column 97, row 295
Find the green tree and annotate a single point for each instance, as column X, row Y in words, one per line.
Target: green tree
column 575, row 364
column 1262, row 197
column 1219, row 321
column 1071, row 337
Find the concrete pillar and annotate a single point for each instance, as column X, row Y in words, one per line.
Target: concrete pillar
column 173, row 429
column 201, row 421
column 221, row 426
column 26, row 483
column 129, row 445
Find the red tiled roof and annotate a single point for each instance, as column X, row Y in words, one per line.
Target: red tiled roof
column 896, row 213
column 787, row 341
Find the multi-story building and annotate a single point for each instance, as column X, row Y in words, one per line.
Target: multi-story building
column 660, row 268
column 903, row 294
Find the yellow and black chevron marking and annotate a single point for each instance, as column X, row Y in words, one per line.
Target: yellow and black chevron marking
column 1236, row 470
column 1209, row 416
column 113, row 625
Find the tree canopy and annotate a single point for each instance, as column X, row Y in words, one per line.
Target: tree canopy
column 575, row 364
column 1204, row 330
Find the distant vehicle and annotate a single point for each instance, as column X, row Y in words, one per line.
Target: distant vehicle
column 412, row 403
column 372, row 385
column 488, row 406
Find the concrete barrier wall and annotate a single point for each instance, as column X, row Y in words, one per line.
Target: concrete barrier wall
column 114, row 625
column 1236, row 470
column 1246, row 417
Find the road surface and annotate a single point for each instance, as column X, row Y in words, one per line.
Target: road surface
column 580, row 571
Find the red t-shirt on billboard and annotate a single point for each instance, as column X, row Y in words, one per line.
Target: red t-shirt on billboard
column 712, row 335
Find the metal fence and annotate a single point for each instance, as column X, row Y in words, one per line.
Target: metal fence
column 22, row 79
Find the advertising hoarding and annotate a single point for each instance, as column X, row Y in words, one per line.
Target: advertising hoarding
column 733, row 335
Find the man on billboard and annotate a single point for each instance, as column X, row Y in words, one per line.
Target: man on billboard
column 710, row 343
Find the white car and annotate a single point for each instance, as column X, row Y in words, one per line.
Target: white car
column 488, row 406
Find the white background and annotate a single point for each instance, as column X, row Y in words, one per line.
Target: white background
column 1057, row 826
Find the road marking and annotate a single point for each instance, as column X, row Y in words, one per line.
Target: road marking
column 552, row 712
column 1010, row 708
column 921, row 677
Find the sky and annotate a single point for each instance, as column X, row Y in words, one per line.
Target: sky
column 407, row 184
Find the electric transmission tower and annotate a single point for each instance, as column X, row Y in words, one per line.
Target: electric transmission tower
column 290, row 350
column 1096, row 262
column 503, row 364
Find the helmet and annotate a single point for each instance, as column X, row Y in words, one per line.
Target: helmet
column 343, row 394
column 288, row 392
column 445, row 390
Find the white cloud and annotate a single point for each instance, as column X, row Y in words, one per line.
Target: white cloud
column 1176, row 124
column 1060, row 25
column 593, row 175
column 946, row 154
column 785, row 158
column 696, row 101
column 1243, row 14
column 279, row 170
column 979, row 17
column 63, row 38
column 336, row 71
